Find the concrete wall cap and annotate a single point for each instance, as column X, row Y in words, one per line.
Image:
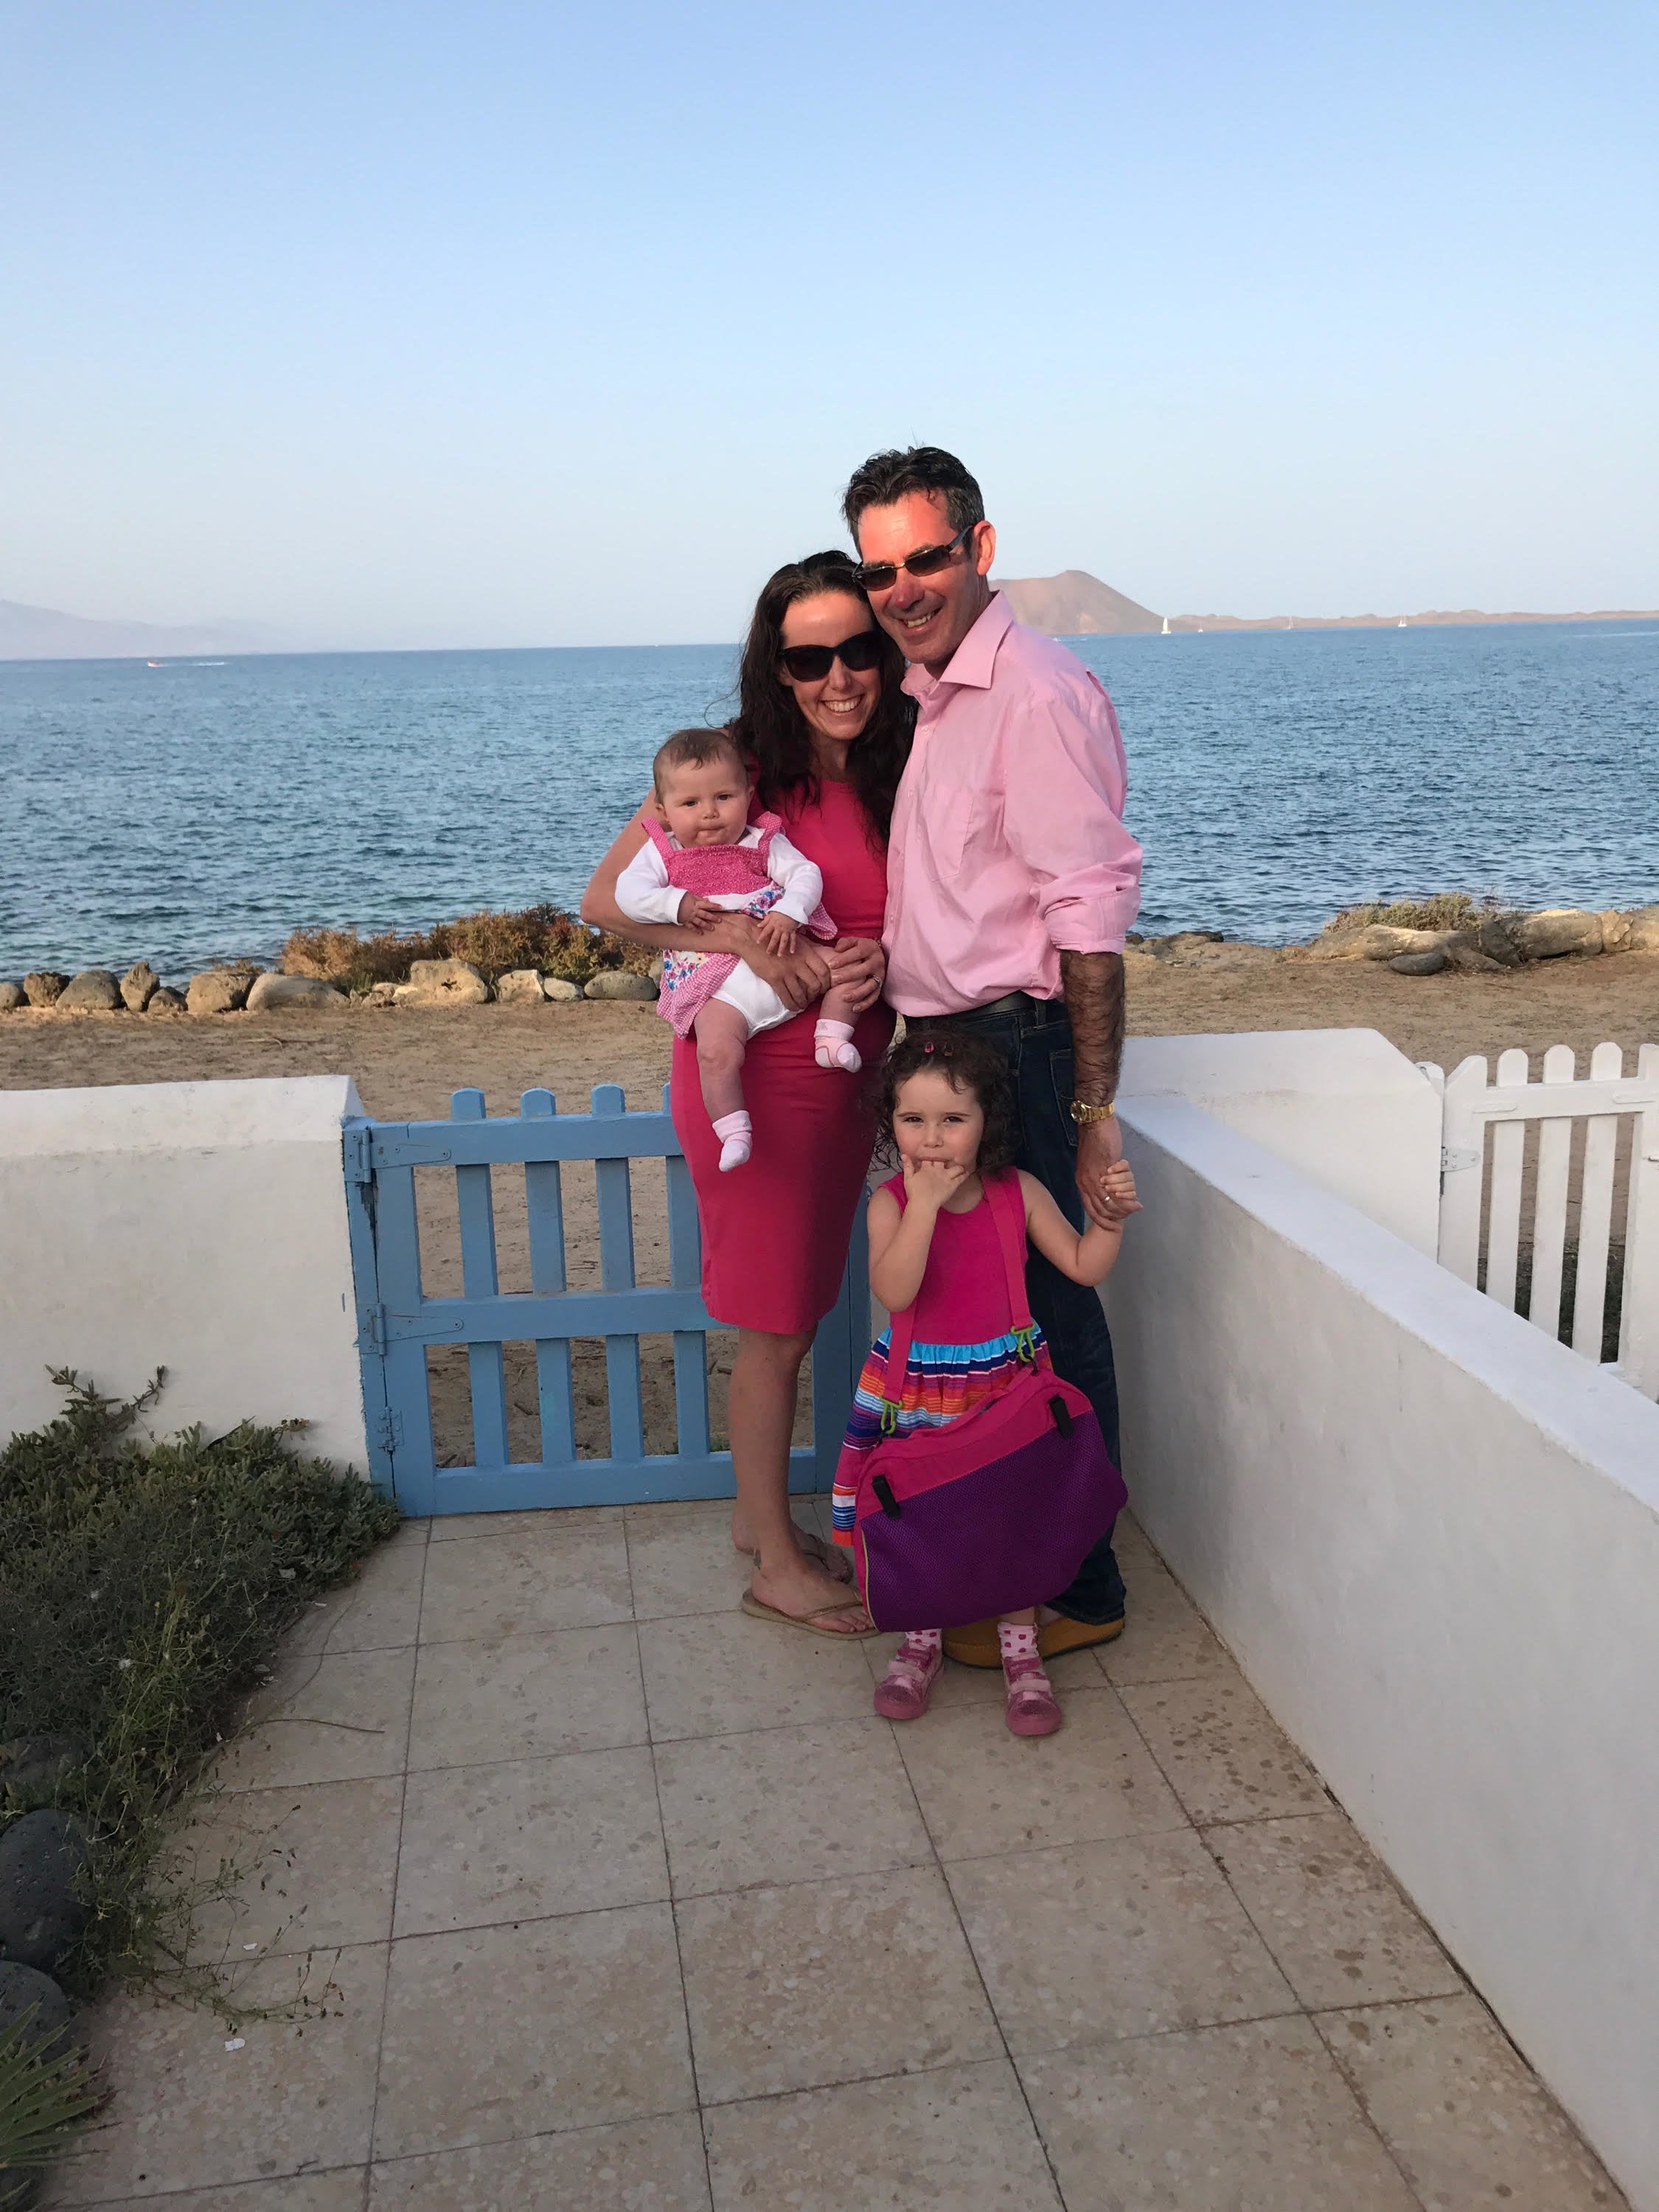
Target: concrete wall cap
column 173, row 1117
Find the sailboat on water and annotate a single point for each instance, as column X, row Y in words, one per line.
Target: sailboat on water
column 1165, row 631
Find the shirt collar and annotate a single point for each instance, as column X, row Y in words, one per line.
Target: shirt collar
column 974, row 661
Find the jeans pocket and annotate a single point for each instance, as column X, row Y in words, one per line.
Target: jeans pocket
column 1061, row 1074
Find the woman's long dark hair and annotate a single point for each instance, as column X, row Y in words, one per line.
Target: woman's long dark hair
column 771, row 728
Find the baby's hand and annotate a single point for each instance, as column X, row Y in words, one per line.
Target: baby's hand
column 698, row 912
column 776, row 931
column 1119, row 1182
column 932, row 1182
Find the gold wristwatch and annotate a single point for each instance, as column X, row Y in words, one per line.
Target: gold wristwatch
column 1084, row 1115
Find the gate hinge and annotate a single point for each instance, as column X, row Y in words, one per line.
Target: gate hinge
column 1453, row 1161
column 391, row 1432
column 374, row 1329
column 359, row 1162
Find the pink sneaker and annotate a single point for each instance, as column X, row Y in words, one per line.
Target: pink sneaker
column 903, row 1691
column 1032, row 1707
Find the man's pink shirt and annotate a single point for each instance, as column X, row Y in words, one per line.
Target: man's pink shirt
column 1008, row 845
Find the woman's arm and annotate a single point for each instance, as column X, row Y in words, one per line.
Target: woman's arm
column 797, row 979
column 858, row 966
column 1089, row 1257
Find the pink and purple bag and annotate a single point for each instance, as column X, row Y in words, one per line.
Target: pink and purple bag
column 992, row 1512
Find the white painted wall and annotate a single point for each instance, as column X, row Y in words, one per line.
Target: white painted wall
column 1430, row 1536
column 197, row 1227
column 1343, row 1106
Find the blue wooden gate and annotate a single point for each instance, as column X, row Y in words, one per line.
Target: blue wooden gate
column 397, row 1320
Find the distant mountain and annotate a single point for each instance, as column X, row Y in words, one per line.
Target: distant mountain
column 1074, row 604
column 44, row 633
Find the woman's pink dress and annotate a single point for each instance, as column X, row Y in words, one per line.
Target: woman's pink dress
column 774, row 1232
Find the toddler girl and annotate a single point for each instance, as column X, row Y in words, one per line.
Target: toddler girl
column 711, row 860
column 947, row 1113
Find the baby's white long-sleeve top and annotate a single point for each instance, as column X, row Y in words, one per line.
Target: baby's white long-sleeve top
column 645, row 894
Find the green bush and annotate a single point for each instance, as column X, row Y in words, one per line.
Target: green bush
column 45, row 2102
column 143, row 1588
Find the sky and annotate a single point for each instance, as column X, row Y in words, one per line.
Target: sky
column 427, row 325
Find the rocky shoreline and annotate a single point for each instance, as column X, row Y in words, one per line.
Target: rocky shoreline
column 1421, row 937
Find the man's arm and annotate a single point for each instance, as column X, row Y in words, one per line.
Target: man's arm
column 1092, row 984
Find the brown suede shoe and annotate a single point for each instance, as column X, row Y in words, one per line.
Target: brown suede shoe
column 977, row 1645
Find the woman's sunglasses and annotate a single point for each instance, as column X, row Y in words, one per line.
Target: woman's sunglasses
column 807, row 663
column 881, row 575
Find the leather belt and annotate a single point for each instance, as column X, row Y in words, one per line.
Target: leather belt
column 1013, row 1006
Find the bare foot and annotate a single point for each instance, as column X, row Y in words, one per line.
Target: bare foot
column 832, row 1558
column 809, row 1594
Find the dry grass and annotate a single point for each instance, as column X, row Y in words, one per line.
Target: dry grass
column 540, row 937
column 1442, row 910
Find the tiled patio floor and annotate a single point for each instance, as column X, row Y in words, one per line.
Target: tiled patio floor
column 628, row 1901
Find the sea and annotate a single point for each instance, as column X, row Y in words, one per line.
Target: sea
column 203, row 808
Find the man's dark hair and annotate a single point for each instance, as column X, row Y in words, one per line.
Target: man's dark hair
column 694, row 749
column 886, row 477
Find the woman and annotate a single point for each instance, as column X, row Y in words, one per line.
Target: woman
column 828, row 740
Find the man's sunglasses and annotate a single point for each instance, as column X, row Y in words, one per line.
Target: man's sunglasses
column 807, row 663
column 881, row 575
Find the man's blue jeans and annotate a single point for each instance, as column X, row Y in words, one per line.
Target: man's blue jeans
column 1036, row 1042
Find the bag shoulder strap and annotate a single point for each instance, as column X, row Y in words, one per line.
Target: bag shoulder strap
column 1008, row 1204
column 1003, row 1197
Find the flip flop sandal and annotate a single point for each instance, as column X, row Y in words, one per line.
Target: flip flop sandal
column 807, row 1623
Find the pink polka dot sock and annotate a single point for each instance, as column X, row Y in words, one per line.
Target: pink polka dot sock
column 833, row 1046
column 1016, row 1641
column 737, row 1135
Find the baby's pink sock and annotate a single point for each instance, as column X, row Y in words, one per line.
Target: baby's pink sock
column 833, row 1047
column 1016, row 1640
column 737, row 1135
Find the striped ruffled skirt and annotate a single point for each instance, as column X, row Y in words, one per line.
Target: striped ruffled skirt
column 942, row 1381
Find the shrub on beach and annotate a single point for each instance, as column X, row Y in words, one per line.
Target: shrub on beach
column 541, row 937
column 1443, row 910
column 143, row 1588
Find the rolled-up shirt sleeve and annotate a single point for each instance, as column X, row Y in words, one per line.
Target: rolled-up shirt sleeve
column 1063, row 817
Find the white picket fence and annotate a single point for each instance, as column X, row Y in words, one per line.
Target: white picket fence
column 1473, row 1197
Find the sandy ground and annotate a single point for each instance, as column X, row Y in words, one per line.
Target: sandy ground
column 407, row 1061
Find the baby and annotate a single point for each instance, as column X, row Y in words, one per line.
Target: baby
column 711, row 860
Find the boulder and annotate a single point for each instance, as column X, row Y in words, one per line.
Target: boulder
column 1615, row 931
column 164, row 1000
column 219, row 990
column 43, row 986
column 93, row 991
column 560, row 988
column 1429, row 962
column 619, row 983
column 51, row 2035
column 11, row 997
column 36, row 1764
column 1644, row 930
column 269, row 991
column 1495, row 937
column 1556, row 931
column 382, row 994
column 42, row 1911
column 444, row 982
column 1463, row 952
column 138, row 987
column 520, row 987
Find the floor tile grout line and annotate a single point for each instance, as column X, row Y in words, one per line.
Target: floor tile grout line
column 973, row 1957
column 398, row 1862
column 1305, row 2009
column 668, row 1878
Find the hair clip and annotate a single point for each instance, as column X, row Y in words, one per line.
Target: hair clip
column 928, row 1046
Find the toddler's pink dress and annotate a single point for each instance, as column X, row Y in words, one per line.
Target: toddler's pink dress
column 689, row 980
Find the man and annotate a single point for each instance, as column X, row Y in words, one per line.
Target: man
column 1011, row 883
